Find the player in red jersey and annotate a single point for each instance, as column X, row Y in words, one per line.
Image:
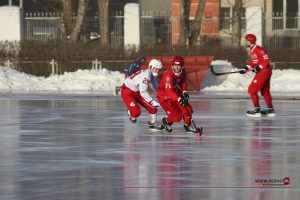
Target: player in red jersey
column 173, row 97
column 259, row 63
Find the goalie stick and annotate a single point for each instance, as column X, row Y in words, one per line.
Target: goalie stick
column 222, row 73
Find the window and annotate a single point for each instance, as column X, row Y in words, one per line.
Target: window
column 285, row 14
column 226, row 18
column 277, row 7
column 292, row 14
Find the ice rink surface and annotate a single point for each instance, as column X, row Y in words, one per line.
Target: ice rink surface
column 85, row 148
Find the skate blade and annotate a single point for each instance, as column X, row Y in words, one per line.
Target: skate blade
column 157, row 129
column 195, row 132
column 265, row 113
column 271, row 115
column 257, row 115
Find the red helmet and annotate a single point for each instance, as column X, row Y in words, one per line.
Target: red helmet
column 251, row 38
column 178, row 60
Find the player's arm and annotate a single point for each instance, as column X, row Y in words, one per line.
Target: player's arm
column 251, row 66
column 182, row 85
column 143, row 87
column 264, row 60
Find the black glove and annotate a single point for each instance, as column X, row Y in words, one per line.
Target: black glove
column 186, row 95
column 182, row 102
column 256, row 69
column 244, row 70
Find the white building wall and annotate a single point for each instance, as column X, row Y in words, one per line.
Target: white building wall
column 11, row 23
column 132, row 25
column 254, row 24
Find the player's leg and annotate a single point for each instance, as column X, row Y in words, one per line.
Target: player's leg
column 129, row 99
column 265, row 92
column 152, row 112
column 253, row 90
column 173, row 114
column 187, row 113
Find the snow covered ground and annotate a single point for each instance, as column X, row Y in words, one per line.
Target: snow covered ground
column 103, row 81
column 81, row 81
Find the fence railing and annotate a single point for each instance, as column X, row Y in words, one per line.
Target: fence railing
column 53, row 66
column 42, row 27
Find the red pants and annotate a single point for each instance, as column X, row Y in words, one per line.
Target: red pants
column 176, row 112
column 132, row 99
column 261, row 83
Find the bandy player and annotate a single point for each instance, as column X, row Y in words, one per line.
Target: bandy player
column 259, row 63
column 173, row 97
column 135, row 91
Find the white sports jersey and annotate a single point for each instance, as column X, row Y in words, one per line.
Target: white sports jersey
column 140, row 81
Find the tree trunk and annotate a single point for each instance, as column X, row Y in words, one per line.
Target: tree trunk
column 66, row 28
column 237, row 23
column 193, row 40
column 185, row 6
column 104, row 22
column 82, row 9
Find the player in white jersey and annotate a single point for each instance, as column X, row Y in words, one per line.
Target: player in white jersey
column 135, row 91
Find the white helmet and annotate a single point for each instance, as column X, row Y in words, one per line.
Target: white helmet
column 154, row 63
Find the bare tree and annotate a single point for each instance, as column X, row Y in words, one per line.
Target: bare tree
column 81, row 14
column 70, row 33
column 185, row 33
column 184, row 21
column 237, row 13
column 66, row 26
column 104, row 22
column 195, row 33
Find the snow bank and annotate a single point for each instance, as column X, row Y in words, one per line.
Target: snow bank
column 96, row 81
column 82, row 81
column 281, row 81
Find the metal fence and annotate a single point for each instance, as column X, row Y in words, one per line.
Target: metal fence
column 42, row 27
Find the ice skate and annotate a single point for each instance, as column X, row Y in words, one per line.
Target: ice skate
column 190, row 129
column 269, row 112
column 154, row 126
column 167, row 126
column 254, row 113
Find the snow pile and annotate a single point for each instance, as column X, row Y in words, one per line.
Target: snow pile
column 90, row 81
column 281, row 81
column 83, row 81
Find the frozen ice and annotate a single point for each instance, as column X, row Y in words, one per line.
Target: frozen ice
column 64, row 147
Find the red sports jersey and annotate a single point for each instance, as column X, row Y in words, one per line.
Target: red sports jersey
column 168, row 86
column 259, row 57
